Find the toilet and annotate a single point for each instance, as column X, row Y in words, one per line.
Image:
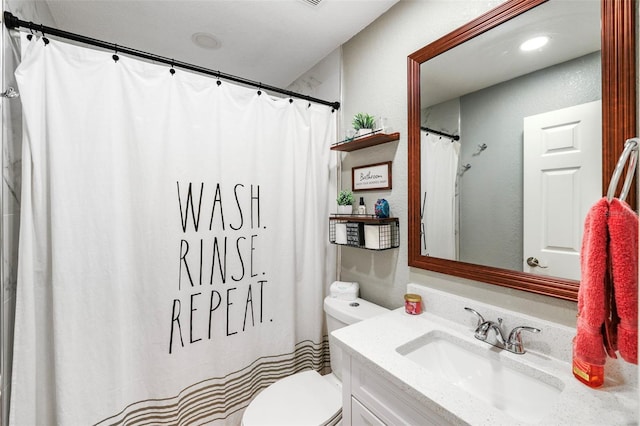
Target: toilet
column 307, row 398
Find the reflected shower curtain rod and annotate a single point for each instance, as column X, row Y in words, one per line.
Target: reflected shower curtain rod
column 446, row 135
column 13, row 22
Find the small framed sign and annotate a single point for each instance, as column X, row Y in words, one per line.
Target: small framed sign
column 371, row 177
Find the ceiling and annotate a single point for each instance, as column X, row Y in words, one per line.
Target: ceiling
column 268, row 41
column 495, row 56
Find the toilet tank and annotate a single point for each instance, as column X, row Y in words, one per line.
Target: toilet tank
column 340, row 313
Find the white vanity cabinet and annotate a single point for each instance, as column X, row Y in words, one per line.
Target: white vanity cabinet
column 369, row 399
column 382, row 384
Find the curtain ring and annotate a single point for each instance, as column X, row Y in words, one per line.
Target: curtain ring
column 172, row 71
column 115, row 56
column 45, row 40
column 259, row 87
column 218, row 77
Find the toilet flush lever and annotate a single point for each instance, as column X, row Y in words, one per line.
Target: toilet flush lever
column 534, row 263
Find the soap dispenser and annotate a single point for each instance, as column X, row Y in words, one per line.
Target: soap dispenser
column 362, row 209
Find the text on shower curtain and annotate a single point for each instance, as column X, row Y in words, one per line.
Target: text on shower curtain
column 220, row 285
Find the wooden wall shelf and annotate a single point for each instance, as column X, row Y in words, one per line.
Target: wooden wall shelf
column 354, row 144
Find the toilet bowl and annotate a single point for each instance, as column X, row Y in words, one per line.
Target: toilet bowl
column 307, row 398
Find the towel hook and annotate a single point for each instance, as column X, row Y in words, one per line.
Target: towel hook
column 630, row 153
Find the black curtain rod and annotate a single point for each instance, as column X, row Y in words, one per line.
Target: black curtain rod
column 446, row 135
column 11, row 22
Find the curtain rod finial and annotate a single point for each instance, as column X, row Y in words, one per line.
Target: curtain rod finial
column 10, row 21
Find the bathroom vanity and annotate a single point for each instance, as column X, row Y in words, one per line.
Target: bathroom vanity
column 429, row 369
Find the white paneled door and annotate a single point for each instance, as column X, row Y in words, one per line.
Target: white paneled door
column 561, row 181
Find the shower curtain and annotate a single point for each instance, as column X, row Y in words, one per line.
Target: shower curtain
column 173, row 242
column 438, row 182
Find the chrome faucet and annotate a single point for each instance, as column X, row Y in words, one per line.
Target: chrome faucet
column 512, row 344
column 482, row 331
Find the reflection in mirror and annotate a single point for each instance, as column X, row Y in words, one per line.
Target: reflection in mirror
column 473, row 193
column 505, row 203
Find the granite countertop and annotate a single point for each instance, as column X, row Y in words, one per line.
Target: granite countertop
column 373, row 342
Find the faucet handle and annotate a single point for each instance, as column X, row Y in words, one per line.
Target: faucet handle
column 477, row 314
column 514, row 342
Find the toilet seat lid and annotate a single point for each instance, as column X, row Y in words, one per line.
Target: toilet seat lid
column 301, row 399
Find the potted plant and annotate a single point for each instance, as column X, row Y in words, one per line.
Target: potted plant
column 345, row 202
column 363, row 123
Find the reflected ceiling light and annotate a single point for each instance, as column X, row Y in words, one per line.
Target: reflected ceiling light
column 206, row 41
column 534, row 43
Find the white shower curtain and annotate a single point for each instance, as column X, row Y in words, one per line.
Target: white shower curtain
column 439, row 164
column 173, row 242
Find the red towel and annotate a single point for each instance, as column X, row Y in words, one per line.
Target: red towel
column 623, row 246
column 588, row 343
column 608, row 293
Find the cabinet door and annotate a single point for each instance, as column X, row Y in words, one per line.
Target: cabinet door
column 360, row 416
column 388, row 402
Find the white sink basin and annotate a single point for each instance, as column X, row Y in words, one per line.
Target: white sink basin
column 521, row 391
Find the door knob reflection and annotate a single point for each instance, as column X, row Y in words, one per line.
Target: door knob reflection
column 533, row 262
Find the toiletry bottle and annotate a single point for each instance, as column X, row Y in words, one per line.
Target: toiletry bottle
column 362, row 209
column 591, row 375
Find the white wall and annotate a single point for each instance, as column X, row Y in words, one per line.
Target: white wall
column 323, row 80
column 375, row 81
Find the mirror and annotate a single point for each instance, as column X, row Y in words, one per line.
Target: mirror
column 430, row 106
column 479, row 185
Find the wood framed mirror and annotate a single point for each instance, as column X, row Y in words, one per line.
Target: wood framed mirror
column 618, row 75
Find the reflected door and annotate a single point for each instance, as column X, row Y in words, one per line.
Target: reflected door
column 563, row 166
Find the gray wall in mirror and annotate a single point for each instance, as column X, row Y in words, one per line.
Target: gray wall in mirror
column 444, row 117
column 490, row 192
